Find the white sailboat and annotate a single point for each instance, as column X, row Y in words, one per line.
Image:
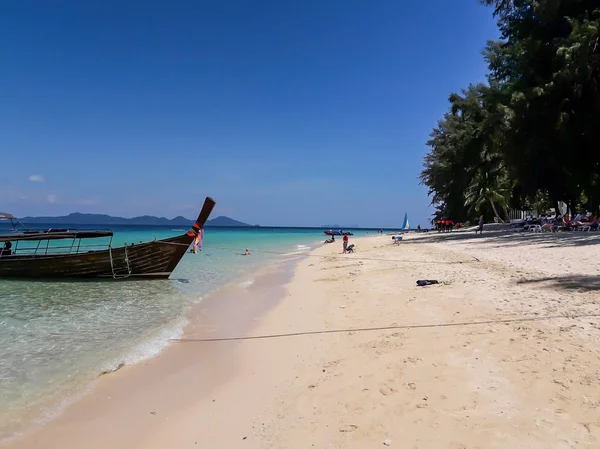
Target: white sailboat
column 405, row 223
column 405, row 228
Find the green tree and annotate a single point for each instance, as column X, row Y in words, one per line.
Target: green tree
column 465, row 156
column 532, row 133
column 488, row 188
column 547, row 68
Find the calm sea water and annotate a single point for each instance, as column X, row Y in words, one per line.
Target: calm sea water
column 57, row 336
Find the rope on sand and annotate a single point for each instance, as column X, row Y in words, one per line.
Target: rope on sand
column 384, row 328
column 339, row 256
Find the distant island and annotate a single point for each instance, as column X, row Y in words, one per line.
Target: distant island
column 145, row 220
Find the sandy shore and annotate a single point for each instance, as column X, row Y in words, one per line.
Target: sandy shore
column 502, row 354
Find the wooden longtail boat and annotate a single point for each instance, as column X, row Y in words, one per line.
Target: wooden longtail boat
column 37, row 259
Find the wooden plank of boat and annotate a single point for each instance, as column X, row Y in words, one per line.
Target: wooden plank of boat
column 156, row 259
column 53, row 235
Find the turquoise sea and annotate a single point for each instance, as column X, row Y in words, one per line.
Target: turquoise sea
column 57, row 336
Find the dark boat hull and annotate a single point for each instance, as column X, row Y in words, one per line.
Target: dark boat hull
column 336, row 233
column 151, row 260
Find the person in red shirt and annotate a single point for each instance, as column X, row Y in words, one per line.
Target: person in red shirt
column 345, row 243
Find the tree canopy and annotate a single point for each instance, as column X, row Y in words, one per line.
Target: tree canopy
column 532, row 133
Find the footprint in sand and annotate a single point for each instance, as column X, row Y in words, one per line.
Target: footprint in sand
column 544, row 423
column 412, row 360
column 592, row 428
column 387, row 391
column 348, row 428
column 331, row 364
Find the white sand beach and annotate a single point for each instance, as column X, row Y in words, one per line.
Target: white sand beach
column 351, row 353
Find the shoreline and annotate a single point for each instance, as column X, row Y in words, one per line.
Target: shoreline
column 353, row 354
column 186, row 324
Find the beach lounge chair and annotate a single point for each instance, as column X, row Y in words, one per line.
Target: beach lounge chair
column 548, row 227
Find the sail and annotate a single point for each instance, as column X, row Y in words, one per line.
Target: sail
column 405, row 224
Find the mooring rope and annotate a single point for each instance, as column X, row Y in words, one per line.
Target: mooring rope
column 384, row 328
column 339, row 256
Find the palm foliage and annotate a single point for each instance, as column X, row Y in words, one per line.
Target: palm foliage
column 533, row 131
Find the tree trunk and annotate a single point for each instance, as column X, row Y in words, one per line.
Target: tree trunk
column 495, row 210
column 506, row 215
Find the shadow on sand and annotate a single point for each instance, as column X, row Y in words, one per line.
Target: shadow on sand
column 508, row 238
column 570, row 282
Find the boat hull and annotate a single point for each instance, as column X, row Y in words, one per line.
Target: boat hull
column 336, row 233
column 151, row 260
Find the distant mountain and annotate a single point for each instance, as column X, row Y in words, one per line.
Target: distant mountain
column 226, row 221
column 144, row 220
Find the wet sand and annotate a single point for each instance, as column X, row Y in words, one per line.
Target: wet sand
column 123, row 406
column 351, row 353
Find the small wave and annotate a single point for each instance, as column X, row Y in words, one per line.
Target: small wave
column 178, row 230
column 51, row 413
column 246, row 284
column 300, row 249
column 150, row 347
column 298, row 252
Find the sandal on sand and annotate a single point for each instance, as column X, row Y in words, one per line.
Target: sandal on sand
column 423, row 283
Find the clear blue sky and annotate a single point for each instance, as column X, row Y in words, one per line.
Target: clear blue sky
column 298, row 112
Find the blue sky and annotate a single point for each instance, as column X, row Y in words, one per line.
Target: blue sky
column 299, row 112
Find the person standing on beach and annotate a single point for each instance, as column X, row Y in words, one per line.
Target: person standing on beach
column 345, row 239
column 480, row 224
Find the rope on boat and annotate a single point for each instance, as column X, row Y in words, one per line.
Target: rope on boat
column 385, row 328
column 339, row 256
